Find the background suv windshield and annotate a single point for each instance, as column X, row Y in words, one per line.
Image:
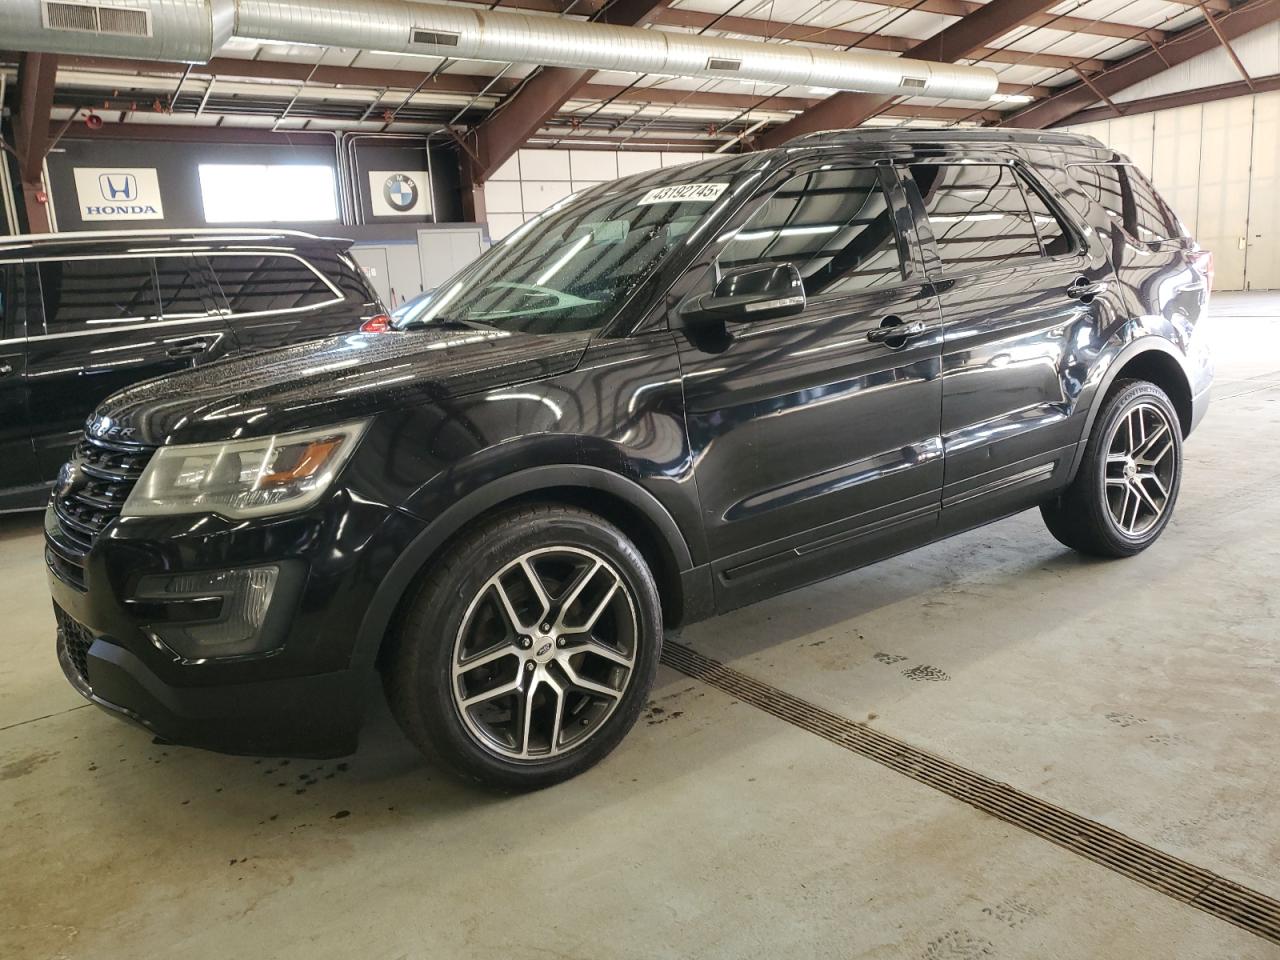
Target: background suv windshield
column 569, row 269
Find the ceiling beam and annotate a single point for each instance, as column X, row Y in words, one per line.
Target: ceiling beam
column 754, row 27
column 749, row 26
column 541, row 96
column 37, row 76
column 1184, row 98
column 950, row 8
column 1226, row 45
column 961, row 39
column 1188, row 43
column 745, row 101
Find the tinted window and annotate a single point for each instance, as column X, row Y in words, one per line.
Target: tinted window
column 97, row 293
column 1053, row 233
column 978, row 214
column 1129, row 200
column 255, row 283
column 834, row 225
column 183, row 292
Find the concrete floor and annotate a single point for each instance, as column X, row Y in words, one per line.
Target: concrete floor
column 1142, row 694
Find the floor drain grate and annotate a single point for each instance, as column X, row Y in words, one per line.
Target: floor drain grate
column 1246, row 908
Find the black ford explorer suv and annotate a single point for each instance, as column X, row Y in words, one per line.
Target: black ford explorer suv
column 664, row 398
column 84, row 314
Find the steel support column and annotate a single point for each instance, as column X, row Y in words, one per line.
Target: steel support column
column 37, row 73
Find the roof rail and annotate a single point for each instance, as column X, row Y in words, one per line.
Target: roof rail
column 72, row 235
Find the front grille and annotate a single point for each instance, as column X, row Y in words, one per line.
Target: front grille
column 103, row 475
column 74, row 641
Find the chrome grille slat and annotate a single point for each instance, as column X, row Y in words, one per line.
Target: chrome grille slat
column 109, row 471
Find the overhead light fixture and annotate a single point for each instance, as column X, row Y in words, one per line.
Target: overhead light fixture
column 1011, row 98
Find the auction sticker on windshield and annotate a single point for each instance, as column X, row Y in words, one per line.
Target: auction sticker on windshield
column 684, row 193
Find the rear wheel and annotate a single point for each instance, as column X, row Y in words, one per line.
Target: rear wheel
column 1125, row 490
column 528, row 653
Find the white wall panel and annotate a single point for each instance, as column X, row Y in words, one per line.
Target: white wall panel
column 1132, row 136
column 500, row 224
column 594, row 165
column 537, row 195
column 509, row 170
column 1175, row 168
column 544, row 165
column 1225, row 158
column 638, row 162
column 502, row 196
column 1262, row 265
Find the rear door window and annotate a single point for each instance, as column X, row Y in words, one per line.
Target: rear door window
column 260, row 283
column 978, row 214
column 97, row 293
column 835, row 226
column 184, row 291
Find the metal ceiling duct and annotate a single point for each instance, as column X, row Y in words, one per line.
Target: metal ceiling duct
column 189, row 30
column 193, row 30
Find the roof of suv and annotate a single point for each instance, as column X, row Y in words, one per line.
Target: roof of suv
column 878, row 135
column 134, row 241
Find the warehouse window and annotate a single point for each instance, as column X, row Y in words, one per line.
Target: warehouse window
column 977, row 212
column 834, row 225
column 267, row 193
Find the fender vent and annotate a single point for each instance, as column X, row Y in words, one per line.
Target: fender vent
column 434, row 38
column 726, row 66
column 90, row 18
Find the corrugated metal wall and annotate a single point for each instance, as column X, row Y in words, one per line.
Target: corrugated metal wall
column 1218, row 165
column 1258, row 50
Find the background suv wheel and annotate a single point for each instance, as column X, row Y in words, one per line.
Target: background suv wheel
column 1124, row 492
column 527, row 653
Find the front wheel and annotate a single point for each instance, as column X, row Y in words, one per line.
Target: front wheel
column 1123, row 494
column 528, row 653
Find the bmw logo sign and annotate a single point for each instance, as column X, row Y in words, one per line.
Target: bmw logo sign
column 400, row 192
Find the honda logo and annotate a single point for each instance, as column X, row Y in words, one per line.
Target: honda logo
column 118, row 186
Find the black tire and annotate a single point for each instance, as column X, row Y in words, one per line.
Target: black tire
column 1084, row 517
column 418, row 675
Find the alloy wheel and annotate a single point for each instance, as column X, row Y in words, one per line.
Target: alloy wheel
column 1140, row 469
column 545, row 653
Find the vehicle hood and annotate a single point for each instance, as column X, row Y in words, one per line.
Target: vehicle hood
column 327, row 382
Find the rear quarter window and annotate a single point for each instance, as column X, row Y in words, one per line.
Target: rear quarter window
column 1128, row 199
column 262, row 283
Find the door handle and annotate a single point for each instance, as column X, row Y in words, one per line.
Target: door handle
column 5, row 369
column 1084, row 291
column 188, row 348
column 894, row 332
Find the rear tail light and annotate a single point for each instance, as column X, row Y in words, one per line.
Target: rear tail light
column 379, row 324
column 1203, row 262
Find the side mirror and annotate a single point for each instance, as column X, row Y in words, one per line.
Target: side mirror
column 749, row 293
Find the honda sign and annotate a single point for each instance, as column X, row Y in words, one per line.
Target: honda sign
column 118, row 194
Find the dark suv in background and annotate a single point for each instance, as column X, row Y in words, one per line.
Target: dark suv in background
column 84, row 314
column 664, row 398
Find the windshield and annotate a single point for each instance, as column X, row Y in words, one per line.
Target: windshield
column 569, row 269
column 411, row 309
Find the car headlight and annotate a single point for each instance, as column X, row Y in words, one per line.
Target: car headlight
column 243, row 478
